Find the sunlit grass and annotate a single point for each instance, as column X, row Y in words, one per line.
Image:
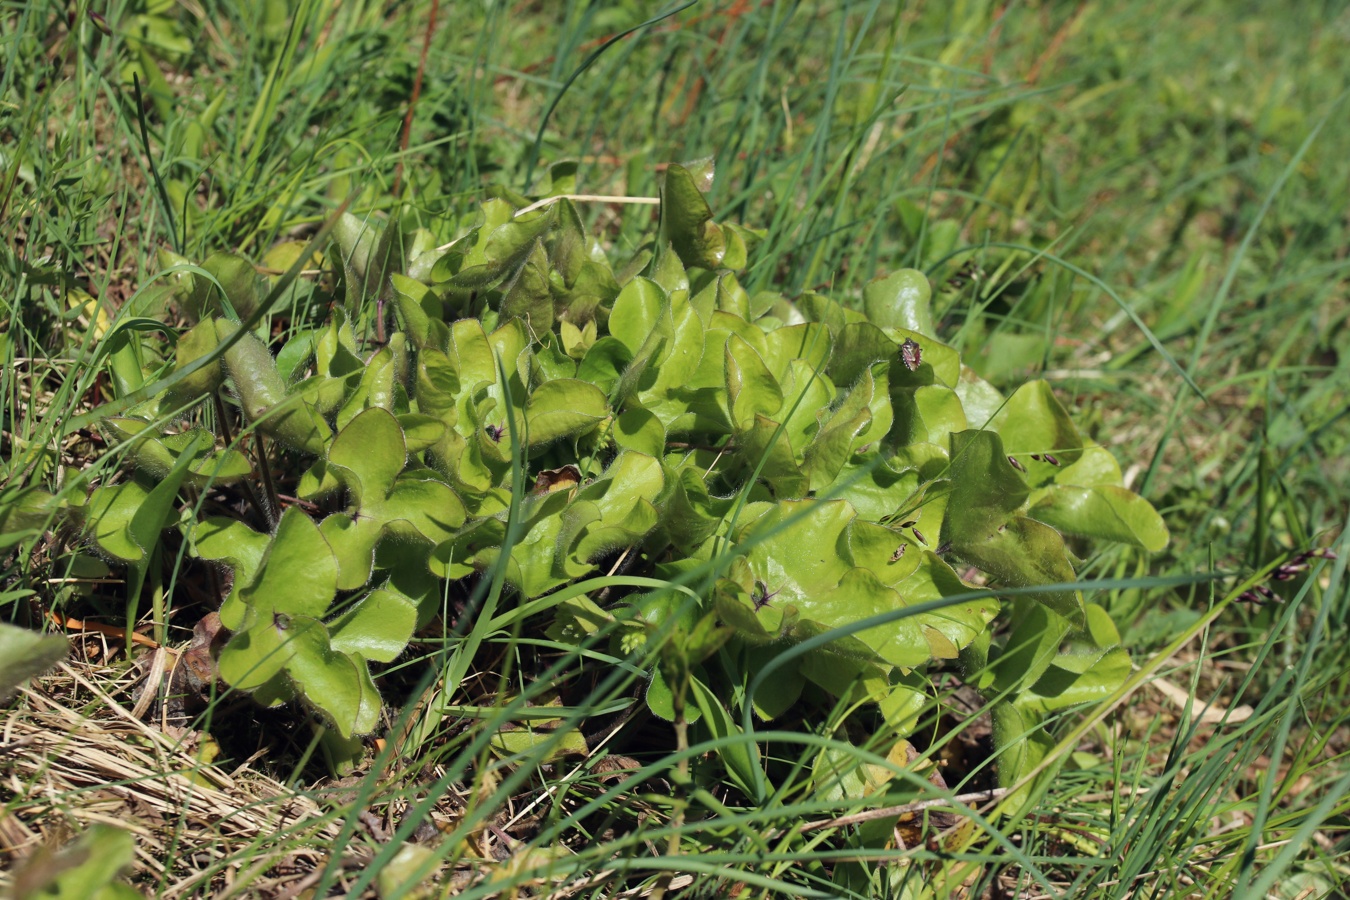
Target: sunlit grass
column 1189, row 158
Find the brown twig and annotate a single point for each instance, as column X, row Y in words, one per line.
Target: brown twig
column 416, row 93
column 70, row 623
column 1056, row 42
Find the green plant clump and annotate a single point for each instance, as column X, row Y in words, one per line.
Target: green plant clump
column 786, row 469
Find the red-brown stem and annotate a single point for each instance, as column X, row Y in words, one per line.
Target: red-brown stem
column 416, row 92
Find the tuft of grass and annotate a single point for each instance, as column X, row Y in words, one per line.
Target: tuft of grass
column 1028, row 157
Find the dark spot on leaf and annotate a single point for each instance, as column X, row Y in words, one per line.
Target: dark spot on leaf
column 559, row 479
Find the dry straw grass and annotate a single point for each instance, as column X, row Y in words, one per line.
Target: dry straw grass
column 72, row 756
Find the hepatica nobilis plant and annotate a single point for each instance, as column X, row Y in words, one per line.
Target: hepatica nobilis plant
column 794, row 467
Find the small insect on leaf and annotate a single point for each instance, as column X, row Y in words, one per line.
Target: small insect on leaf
column 495, row 432
column 899, row 552
column 968, row 272
column 761, row 595
column 911, row 354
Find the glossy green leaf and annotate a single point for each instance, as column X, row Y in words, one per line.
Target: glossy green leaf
column 765, row 447
column 801, row 566
column 752, row 389
column 239, row 280
column 640, row 430
column 335, row 348
column 369, row 452
column 338, row 684
column 378, row 627
column 806, row 392
column 158, row 508
column 928, row 414
column 938, row 364
column 671, row 387
column 24, row 512
column 636, row 312
column 686, row 221
column 826, row 455
column 819, row 308
column 506, row 247
column 567, row 250
column 127, row 521
column 562, row 407
column 438, row 386
column 199, row 341
column 985, row 489
column 980, row 399
column 530, row 736
column 238, row 546
column 256, row 656
column 371, row 249
column 612, row 512
column 807, row 342
column 1028, row 553
column 298, row 574
column 422, row 432
column 851, row 680
column 605, row 363
column 1034, row 422
column 262, row 395
column 158, row 457
column 417, row 306
column 429, row 507
column 1022, row 743
column 375, row 390
column 876, row 486
column 900, row 300
column 856, row 347
column 1107, row 512
column 529, row 296
column 687, row 514
column 352, row 541
column 1093, row 667
column 890, row 554
column 661, row 700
